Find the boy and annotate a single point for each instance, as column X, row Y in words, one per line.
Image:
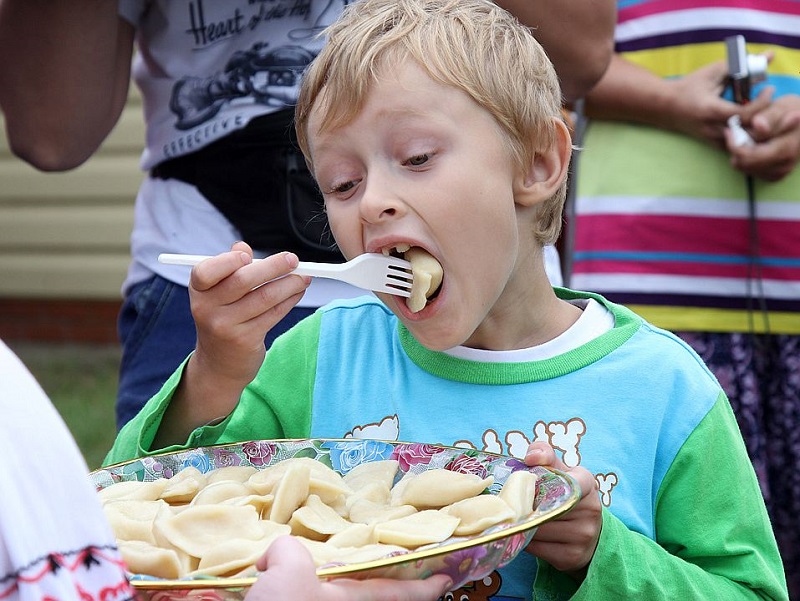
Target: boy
column 436, row 124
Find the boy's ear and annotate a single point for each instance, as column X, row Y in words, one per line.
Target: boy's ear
column 547, row 171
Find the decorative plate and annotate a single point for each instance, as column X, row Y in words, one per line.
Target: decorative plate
column 464, row 559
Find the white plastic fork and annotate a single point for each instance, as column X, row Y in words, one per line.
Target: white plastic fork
column 371, row 271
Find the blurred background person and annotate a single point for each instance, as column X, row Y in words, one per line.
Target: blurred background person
column 697, row 234
column 218, row 82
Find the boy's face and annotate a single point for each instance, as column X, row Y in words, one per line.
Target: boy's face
column 422, row 164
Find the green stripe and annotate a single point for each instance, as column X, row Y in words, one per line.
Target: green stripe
column 622, row 159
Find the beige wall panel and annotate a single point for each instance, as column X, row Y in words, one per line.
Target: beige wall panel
column 64, row 276
column 68, row 227
column 66, row 235
column 103, row 178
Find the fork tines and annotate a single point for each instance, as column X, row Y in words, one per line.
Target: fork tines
column 399, row 277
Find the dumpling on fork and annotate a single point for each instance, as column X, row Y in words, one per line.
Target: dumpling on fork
column 427, row 273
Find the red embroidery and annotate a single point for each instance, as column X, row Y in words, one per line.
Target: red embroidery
column 78, row 564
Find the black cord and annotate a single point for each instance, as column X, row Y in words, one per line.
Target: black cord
column 754, row 272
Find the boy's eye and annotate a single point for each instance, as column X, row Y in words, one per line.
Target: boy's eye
column 417, row 160
column 340, row 188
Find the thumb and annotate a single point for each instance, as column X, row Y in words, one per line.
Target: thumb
column 287, row 554
column 541, row 453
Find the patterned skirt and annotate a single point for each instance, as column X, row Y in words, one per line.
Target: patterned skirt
column 761, row 376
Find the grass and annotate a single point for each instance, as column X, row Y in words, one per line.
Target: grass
column 81, row 380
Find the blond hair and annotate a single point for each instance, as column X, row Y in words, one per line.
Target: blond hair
column 472, row 45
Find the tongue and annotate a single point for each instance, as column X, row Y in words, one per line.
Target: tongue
column 427, row 272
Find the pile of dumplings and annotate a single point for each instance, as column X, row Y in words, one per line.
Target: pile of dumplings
column 219, row 523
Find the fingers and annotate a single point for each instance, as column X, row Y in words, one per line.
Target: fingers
column 232, row 289
column 393, row 590
column 771, row 160
column 775, row 128
column 209, row 273
column 541, row 453
column 757, row 105
column 238, row 273
column 289, row 573
column 286, row 552
column 568, row 543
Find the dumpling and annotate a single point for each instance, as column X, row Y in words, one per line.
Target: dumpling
column 238, row 473
column 519, row 492
column 143, row 558
column 290, row 493
column 479, row 513
column 355, row 535
column 439, row 487
column 372, row 473
column 316, row 520
column 364, row 511
column 427, row 277
column 221, row 491
column 369, row 552
column 133, row 520
column 421, row 528
column 231, row 556
column 183, row 486
column 133, row 490
column 198, row 529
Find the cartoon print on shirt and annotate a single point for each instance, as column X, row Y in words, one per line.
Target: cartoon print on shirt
column 491, row 443
column 606, row 482
column 564, row 436
column 387, row 429
column 263, row 74
column 479, row 590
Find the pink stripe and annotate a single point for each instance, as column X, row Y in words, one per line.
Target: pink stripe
column 679, row 234
column 680, row 268
column 644, row 9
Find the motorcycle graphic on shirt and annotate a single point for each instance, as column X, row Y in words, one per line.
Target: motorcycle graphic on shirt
column 263, row 75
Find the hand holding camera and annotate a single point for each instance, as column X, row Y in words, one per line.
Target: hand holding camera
column 764, row 139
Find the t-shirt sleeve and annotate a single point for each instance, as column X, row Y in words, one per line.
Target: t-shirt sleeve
column 714, row 538
column 276, row 404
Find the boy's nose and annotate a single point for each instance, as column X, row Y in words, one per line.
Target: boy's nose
column 378, row 203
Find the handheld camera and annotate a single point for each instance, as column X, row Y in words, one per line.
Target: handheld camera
column 744, row 70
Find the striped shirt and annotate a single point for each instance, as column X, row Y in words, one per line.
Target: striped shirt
column 662, row 222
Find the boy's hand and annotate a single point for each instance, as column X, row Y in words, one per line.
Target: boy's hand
column 234, row 308
column 568, row 543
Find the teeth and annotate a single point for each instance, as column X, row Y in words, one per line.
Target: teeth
column 400, row 249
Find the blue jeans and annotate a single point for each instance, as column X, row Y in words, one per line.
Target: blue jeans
column 157, row 332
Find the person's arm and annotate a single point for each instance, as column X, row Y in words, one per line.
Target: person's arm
column 577, row 36
column 63, row 78
column 691, row 104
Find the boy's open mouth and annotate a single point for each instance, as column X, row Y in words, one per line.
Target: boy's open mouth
column 427, row 272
